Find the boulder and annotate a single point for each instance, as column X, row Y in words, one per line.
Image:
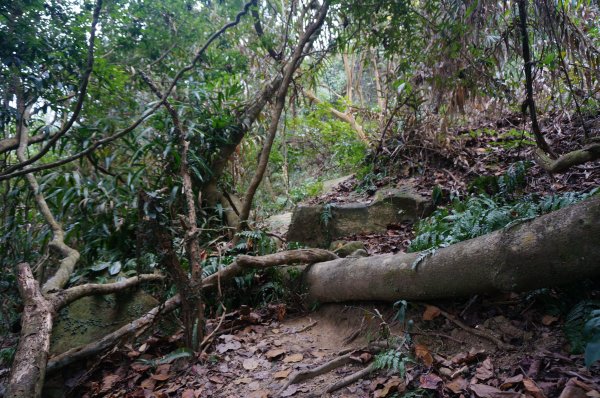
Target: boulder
column 318, row 225
column 90, row 318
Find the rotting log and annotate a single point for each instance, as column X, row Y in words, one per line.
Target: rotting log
column 557, row 248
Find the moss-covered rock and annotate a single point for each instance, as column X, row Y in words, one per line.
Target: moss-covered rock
column 90, row 318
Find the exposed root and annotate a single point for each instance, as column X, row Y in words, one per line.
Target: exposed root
column 300, row 376
column 351, row 378
column 477, row 332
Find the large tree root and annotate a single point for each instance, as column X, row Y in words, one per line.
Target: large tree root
column 300, row 376
column 568, row 160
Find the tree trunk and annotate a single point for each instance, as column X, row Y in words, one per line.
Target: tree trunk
column 554, row 249
column 29, row 366
column 539, row 138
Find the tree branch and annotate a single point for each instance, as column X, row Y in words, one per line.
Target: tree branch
column 65, row 297
column 7, row 174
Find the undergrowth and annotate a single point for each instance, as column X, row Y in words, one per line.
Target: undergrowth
column 484, row 213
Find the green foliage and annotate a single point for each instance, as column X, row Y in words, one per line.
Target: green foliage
column 393, row 360
column 591, row 332
column 479, row 215
column 582, row 328
column 6, row 355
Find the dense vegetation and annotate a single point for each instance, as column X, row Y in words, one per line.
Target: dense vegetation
column 131, row 128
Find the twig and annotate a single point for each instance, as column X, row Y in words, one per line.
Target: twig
column 207, row 339
column 305, row 328
column 351, row 379
column 477, row 332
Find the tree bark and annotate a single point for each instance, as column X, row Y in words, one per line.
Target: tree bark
column 29, row 366
column 554, row 249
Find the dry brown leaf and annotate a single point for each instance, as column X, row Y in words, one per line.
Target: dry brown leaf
column 275, row 354
column 148, row 384
column 548, row 320
column 108, row 382
column 282, row 374
column 254, row 386
column 250, row 364
column 293, row 358
column 291, row 390
column 161, row 376
column 392, row 385
column 422, row 352
column 431, row 312
column 188, row 394
column 511, row 381
column 532, row 388
column 217, row 379
column 259, row 394
column 485, row 371
column 430, row 381
column 457, row 385
column 484, row 391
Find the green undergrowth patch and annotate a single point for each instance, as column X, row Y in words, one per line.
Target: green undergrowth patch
column 483, row 213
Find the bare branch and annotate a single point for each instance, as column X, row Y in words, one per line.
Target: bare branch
column 65, row 297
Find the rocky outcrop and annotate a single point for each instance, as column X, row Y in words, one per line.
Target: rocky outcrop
column 318, row 225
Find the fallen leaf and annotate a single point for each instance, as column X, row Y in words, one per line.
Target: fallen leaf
column 259, row 394
column 548, row 320
column 148, row 384
column 431, row 312
column 532, row 388
column 457, row 385
column 291, row 390
column 430, row 381
column 485, row 371
column 250, row 364
column 228, row 346
column 511, row 381
column 254, row 386
column 422, row 352
column 217, row 379
column 108, row 382
column 484, row 391
column 188, row 394
column 392, row 385
column 282, row 374
column 161, row 376
column 293, row 358
column 274, row 354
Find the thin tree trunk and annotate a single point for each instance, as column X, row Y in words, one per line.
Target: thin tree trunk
column 304, row 44
column 535, row 127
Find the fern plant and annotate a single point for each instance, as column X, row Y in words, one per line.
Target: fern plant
column 482, row 214
column 393, row 360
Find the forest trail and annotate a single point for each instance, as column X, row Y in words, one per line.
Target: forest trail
column 447, row 359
